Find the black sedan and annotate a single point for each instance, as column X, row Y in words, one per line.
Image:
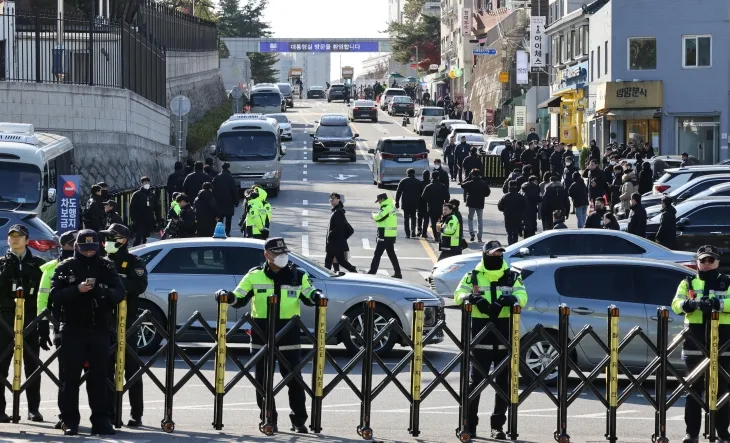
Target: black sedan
column 364, row 110
column 401, row 105
column 316, row 92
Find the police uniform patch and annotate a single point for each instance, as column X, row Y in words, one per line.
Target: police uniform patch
column 139, row 271
column 124, row 265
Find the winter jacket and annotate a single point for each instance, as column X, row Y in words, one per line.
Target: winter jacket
column 531, row 193
column 435, row 195
column 596, row 182
column 637, row 220
column 225, row 192
column 666, row 235
column 595, row 219
column 472, row 162
column 410, row 190
column 555, row 198
column 144, row 208
column 629, row 187
column 646, row 178
column 338, row 231
column 578, row 191
column 443, row 176
column 194, row 183
column 513, row 205
column 206, row 212
column 477, row 189
column 568, row 176
column 175, row 182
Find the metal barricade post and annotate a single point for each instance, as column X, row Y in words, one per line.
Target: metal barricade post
column 18, row 326
column 462, row 432
column 120, row 362
column 612, row 373
column 167, row 424
column 514, row 385
column 318, row 364
column 220, row 362
column 416, row 368
column 267, row 427
column 712, row 378
column 660, row 425
column 561, row 434
column 364, row 430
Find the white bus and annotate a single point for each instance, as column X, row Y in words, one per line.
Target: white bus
column 30, row 164
column 266, row 100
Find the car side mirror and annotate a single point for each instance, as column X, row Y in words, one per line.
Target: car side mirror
column 684, row 221
column 355, row 135
column 523, row 252
column 371, row 151
column 51, row 196
column 311, row 135
column 283, row 151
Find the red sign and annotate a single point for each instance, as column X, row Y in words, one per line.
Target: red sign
column 69, row 189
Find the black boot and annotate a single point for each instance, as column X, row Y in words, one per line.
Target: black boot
column 103, row 429
column 58, row 425
column 299, row 429
column 689, row 439
column 134, row 422
column 4, row 418
column 35, row 416
column 498, row 434
column 71, row 431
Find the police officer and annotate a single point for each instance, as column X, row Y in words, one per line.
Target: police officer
column 86, row 288
column 450, row 240
column 253, row 219
column 134, row 276
column 66, row 241
column 387, row 224
column 264, row 208
column 19, row 268
column 95, row 216
column 277, row 276
column 492, row 288
column 696, row 298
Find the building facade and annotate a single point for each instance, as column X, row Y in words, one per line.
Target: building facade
column 395, row 10
column 663, row 81
column 456, row 48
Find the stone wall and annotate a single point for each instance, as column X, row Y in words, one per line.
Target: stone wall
column 118, row 136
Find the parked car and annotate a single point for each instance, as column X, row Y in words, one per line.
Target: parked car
column 491, row 143
column 393, row 156
column 458, row 130
column 284, row 125
column 427, row 119
column 678, row 176
column 446, row 274
column 588, row 285
column 687, row 190
column 401, row 105
column 363, row 110
column 42, row 240
column 197, row 267
column 388, row 95
column 316, row 92
column 659, row 163
column 333, row 138
column 437, row 142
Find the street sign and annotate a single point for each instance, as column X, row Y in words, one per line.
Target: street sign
column 180, row 105
column 484, row 51
column 504, row 77
column 236, row 92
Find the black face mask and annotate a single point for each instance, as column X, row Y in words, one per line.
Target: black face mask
column 66, row 254
column 492, row 262
column 84, row 259
column 708, row 275
column 104, row 194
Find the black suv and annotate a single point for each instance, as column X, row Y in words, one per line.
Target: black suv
column 334, row 139
column 316, row 92
column 336, row 92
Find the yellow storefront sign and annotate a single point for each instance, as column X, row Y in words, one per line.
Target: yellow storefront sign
column 628, row 95
column 504, row 77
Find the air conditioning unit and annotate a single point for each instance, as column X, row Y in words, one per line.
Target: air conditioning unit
column 18, row 133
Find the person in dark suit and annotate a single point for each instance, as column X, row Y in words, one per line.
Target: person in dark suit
column 467, row 115
column 225, row 193
column 338, row 231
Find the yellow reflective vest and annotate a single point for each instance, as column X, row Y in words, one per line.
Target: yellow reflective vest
column 504, row 280
column 697, row 288
column 450, row 230
column 257, row 286
column 44, row 289
column 386, row 219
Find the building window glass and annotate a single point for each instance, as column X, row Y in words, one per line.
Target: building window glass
column 598, row 63
column 555, row 51
column 561, row 49
column 637, row 131
column 697, row 51
column 569, row 52
column 605, row 57
column 699, row 137
column 655, row 132
column 591, row 65
column 641, row 53
column 584, row 42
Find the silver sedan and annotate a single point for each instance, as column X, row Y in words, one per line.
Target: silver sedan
column 447, row 273
column 197, row 267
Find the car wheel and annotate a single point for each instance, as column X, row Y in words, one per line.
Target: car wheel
column 537, row 356
column 375, row 120
column 315, row 159
column 381, row 185
column 382, row 316
column 274, row 192
column 148, row 339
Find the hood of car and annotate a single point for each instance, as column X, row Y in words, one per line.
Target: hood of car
column 285, row 125
column 371, row 283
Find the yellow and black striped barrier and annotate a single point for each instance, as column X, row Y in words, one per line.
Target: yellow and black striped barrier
column 18, row 328
column 493, row 170
column 416, row 367
column 121, row 353
column 220, row 362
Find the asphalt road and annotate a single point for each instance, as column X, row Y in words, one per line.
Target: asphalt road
column 301, row 213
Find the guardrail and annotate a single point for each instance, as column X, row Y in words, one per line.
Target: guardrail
column 467, row 341
column 493, row 170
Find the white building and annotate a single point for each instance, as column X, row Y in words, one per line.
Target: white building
column 395, row 10
column 316, row 67
column 456, row 50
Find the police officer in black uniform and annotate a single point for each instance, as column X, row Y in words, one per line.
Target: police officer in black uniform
column 86, row 288
column 19, row 268
column 134, row 276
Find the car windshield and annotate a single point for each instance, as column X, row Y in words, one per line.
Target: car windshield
column 20, row 186
column 313, row 264
column 395, row 92
column 266, row 99
column 401, row 100
column 473, row 138
column 665, row 178
column 285, row 89
column 279, row 118
column 248, row 145
column 334, row 131
column 433, row 112
column 404, row 146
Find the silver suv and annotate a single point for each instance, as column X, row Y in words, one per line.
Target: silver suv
column 395, row 155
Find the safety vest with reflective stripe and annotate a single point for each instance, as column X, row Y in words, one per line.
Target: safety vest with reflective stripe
column 254, row 220
column 44, row 289
column 261, row 287
column 450, row 234
column 386, row 219
column 684, row 292
column 483, row 286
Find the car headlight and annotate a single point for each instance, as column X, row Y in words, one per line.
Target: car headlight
column 271, row 174
column 447, row 270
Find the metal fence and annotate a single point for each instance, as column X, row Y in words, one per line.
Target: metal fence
column 174, row 30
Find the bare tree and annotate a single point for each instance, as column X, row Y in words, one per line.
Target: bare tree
column 379, row 71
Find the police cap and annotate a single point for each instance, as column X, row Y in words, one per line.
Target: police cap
column 708, row 251
column 277, row 245
column 20, row 229
column 87, row 240
column 380, row 197
column 492, row 246
column 116, row 230
column 67, row 238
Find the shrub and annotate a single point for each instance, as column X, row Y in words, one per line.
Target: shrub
column 202, row 133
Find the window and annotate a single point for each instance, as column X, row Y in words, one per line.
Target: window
column 591, row 65
column 149, row 256
column 642, row 53
column 606, row 282
column 609, row 245
column 204, row 260
column 605, row 57
column 243, row 259
column 555, row 50
column 568, row 244
column 561, row 49
column 584, row 41
column 655, row 284
column 697, row 51
column 598, row 63
column 571, row 45
column 710, row 216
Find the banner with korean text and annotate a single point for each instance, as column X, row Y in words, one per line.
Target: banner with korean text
column 69, row 204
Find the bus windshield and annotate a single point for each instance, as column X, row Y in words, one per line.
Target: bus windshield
column 20, row 186
column 266, row 99
column 248, row 145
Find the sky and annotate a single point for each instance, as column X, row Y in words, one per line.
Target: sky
column 318, row 19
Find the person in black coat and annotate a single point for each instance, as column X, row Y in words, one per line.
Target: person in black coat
column 189, row 167
column 554, row 198
column 144, row 212
column 338, row 231
column 610, row 222
column 615, row 187
column 595, row 151
column 637, row 216
column 442, row 133
column 543, row 154
column 112, row 216
column 513, row 206
column 529, row 157
column 94, row 217
column 435, row 195
column 472, row 162
column 646, row 178
column 194, row 181
column 579, row 194
column 531, row 192
column 423, row 207
column 568, row 171
column 476, row 189
column 175, row 180
column 461, row 152
column 442, row 175
column 557, row 161
column 225, row 192
column 666, row 235
column 449, row 149
column 207, row 213
column 595, row 218
column 181, row 225
column 209, row 162
column 409, row 190
column 558, row 220
column 506, row 157
column 596, row 180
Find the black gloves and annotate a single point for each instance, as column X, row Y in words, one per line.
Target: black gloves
column 508, row 300
column 221, row 293
column 44, row 335
column 475, row 298
column 494, row 309
column 690, row 306
column 480, row 302
column 705, row 305
column 715, row 304
column 314, row 299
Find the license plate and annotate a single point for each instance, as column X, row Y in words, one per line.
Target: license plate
column 246, row 185
column 335, row 149
column 405, row 159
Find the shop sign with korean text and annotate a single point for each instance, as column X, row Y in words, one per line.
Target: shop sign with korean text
column 629, row 95
column 466, row 22
column 537, row 42
column 523, row 77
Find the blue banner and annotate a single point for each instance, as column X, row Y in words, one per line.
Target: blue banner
column 69, row 203
column 318, row 47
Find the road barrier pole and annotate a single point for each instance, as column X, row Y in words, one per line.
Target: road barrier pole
column 660, row 424
column 121, row 355
column 364, row 429
column 514, row 385
column 416, row 368
column 561, row 434
column 220, row 362
column 315, row 424
column 267, row 427
column 462, row 432
column 612, row 373
column 18, row 327
column 167, row 424
column 712, row 379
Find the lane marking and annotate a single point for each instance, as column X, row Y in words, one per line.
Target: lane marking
column 304, row 172
column 429, row 251
column 305, row 223
column 304, row 179
column 305, row 245
column 305, row 213
column 305, row 202
column 305, row 166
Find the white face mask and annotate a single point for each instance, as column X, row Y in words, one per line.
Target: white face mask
column 146, row 186
column 281, row 260
column 111, row 247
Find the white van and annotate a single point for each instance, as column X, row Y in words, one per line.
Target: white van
column 266, row 100
column 427, row 119
column 251, row 143
column 30, row 166
column 388, row 95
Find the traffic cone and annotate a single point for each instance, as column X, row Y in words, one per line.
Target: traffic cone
column 220, row 231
